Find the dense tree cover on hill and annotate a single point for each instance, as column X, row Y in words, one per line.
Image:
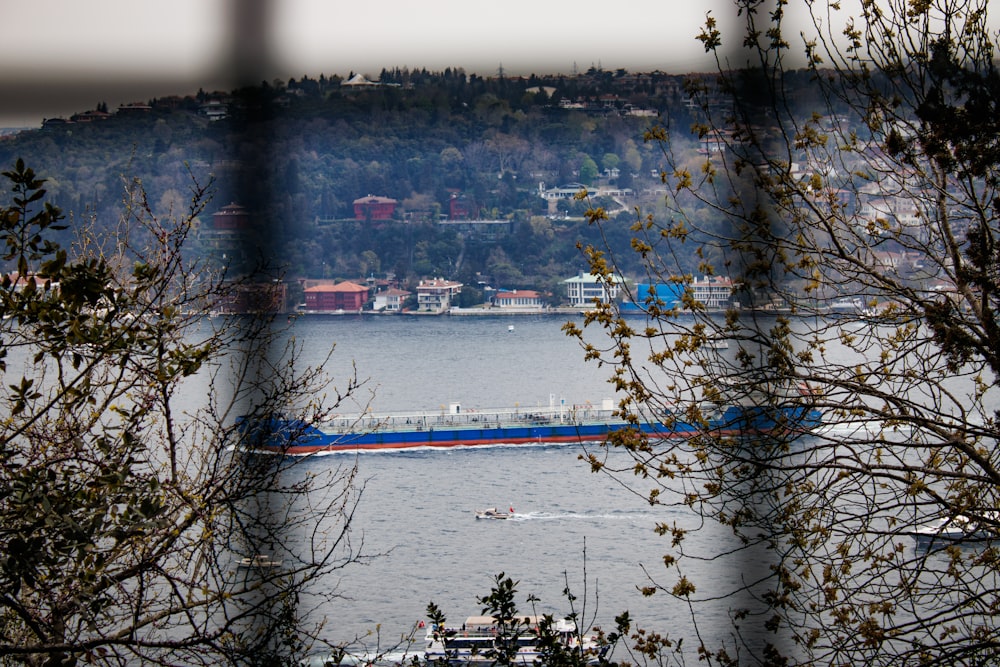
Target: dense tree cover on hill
column 298, row 153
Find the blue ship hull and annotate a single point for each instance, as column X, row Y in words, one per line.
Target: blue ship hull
column 511, row 428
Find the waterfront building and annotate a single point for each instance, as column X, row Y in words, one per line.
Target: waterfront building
column 263, row 297
column 390, row 300
column 345, row 296
column 582, row 289
column 524, row 299
column 663, row 295
column 713, row 291
column 436, row 295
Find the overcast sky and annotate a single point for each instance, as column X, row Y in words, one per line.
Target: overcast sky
column 62, row 56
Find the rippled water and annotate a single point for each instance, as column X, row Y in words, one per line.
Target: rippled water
column 418, row 506
column 426, row 362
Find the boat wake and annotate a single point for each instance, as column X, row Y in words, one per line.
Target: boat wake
column 579, row 516
column 866, row 428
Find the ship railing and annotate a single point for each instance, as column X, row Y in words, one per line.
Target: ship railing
column 485, row 418
column 579, row 415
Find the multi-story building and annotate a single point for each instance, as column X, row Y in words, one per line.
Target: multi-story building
column 231, row 216
column 390, row 300
column 373, row 207
column 270, row 297
column 345, row 296
column 436, row 295
column 582, row 289
column 712, row 291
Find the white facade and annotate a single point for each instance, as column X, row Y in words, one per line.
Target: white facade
column 569, row 191
column 712, row 291
column 903, row 211
column 390, row 301
column 436, row 295
column 519, row 300
column 582, row 289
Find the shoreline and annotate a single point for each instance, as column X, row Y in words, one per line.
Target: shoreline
column 562, row 311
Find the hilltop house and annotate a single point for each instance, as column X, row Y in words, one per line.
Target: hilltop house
column 569, row 191
column 374, row 208
column 715, row 142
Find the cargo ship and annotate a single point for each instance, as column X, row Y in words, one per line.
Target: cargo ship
column 453, row 426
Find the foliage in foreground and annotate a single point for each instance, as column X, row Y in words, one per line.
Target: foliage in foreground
column 886, row 199
column 512, row 626
column 126, row 501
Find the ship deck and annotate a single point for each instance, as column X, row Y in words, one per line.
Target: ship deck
column 446, row 418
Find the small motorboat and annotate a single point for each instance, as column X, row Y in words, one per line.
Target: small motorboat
column 717, row 343
column 260, row 561
column 959, row 530
column 494, row 513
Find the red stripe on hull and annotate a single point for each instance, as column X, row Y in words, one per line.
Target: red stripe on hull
column 298, row 450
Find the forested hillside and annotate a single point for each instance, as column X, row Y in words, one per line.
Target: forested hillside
column 297, row 154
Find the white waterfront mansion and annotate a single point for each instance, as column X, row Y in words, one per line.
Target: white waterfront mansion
column 583, row 288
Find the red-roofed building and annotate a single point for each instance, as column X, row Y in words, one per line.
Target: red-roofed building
column 524, row 299
column 232, row 216
column 460, row 207
column 19, row 282
column 713, row 291
column 374, row 208
column 254, row 298
column 344, row 296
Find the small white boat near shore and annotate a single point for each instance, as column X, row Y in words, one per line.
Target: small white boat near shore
column 958, row 530
column 259, row 562
column 478, row 642
column 494, row 513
